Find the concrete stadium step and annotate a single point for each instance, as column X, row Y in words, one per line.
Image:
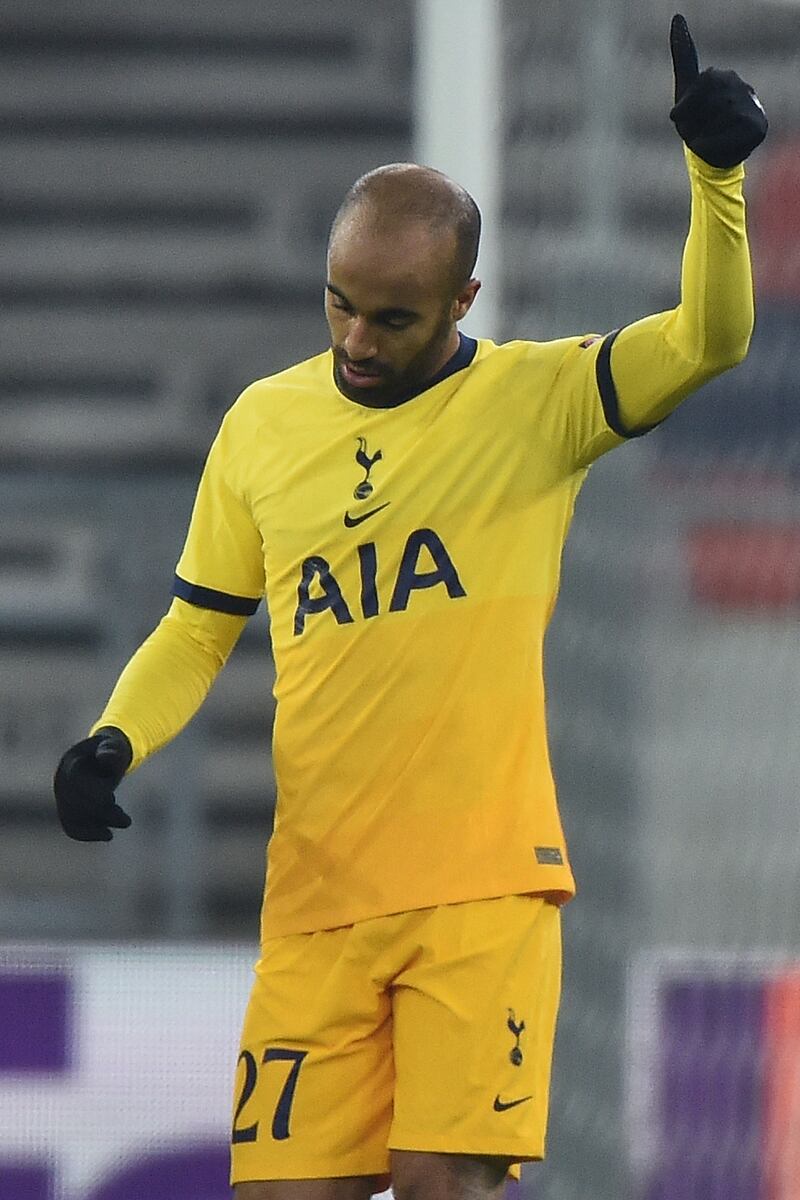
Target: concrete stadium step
column 47, row 576
column 274, row 192
column 123, row 381
column 279, row 27
column 116, row 66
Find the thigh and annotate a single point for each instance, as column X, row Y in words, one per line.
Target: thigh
column 422, row 1175
column 313, row 1096
column 358, row 1187
column 474, row 1025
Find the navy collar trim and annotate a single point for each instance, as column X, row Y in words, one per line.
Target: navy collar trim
column 467, row 349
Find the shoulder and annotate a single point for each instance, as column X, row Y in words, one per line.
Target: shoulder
column 310, row 376
column 267, row 402
column 265, row 407
column 529, row 361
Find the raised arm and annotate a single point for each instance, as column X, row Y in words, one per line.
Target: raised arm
column 656, row 362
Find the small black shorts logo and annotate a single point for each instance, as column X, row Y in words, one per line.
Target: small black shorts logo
column 549, row 856
column 515, row 1054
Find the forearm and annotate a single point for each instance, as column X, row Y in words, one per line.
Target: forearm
column 660, row 360
column 169, row 676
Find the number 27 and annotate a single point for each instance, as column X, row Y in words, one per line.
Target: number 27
column 280, row 1120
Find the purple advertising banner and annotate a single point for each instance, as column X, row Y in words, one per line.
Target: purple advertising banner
column 710, row 1090
column 116, row 1070
column 35, row 1026
column 713, row 1076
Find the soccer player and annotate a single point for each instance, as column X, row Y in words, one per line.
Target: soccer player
column 402, row 501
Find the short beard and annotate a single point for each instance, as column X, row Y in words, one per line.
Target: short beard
column 398, row 387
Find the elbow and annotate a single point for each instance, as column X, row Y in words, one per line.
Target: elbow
column 730, row 347
column 717, row 359
column 735, row 350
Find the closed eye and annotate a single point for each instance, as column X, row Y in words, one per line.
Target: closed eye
column 396, row 321
column 389, row 318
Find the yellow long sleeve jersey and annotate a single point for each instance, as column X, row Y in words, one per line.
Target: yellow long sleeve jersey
column 410, row 561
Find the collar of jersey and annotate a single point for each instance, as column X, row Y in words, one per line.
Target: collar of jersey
column 463, row 356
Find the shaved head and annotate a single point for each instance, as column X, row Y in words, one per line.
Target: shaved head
column 404, row 194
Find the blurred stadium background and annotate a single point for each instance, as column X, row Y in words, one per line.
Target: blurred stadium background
column 170, row 171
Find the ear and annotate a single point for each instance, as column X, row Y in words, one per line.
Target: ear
column 465, row 299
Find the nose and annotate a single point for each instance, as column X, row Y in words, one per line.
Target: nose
column 359, row 343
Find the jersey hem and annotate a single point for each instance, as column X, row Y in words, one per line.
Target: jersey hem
column 556, row 895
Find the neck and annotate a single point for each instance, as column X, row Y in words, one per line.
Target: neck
column 448, row 350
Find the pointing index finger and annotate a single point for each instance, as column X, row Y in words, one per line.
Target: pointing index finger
column 684, row 55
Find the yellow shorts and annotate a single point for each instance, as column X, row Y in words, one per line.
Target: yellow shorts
column 427, row 1030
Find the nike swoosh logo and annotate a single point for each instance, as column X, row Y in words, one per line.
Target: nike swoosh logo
column 502, row 1105
column 351, row 522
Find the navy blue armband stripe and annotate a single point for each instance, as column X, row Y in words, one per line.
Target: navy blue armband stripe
column 203, row 597
column 608, row 391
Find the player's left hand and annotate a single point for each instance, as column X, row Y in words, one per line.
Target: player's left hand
column 718, row 115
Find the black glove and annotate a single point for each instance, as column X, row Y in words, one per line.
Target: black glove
column 717, row 114
column 84, row 785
